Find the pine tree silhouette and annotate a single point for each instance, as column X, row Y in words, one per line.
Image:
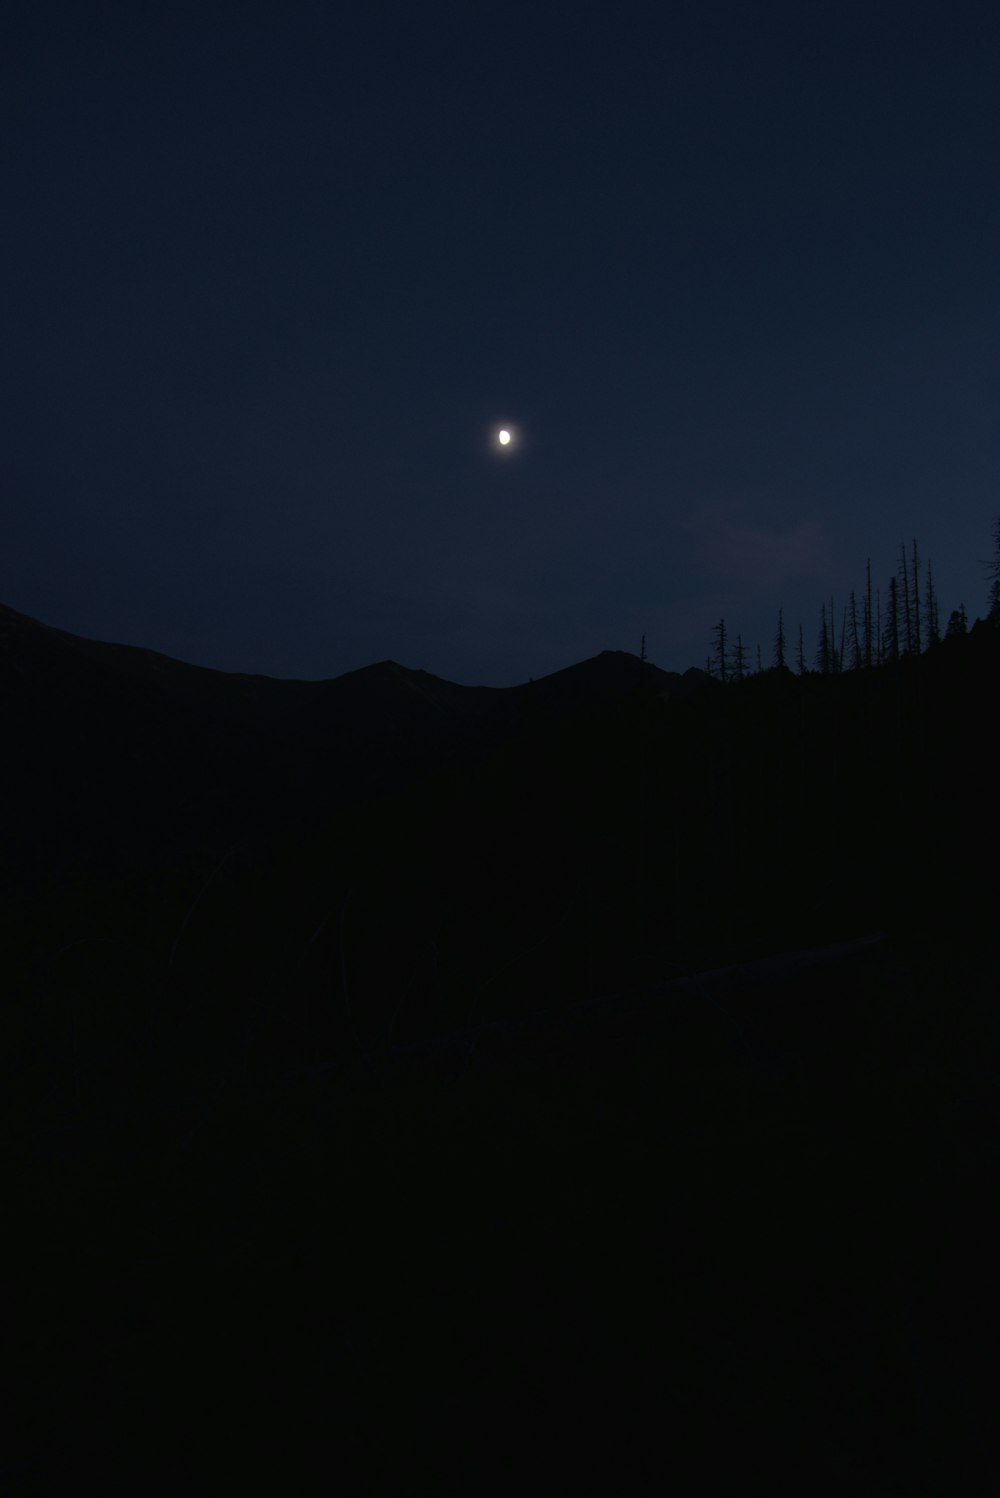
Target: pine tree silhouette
column 958, row 623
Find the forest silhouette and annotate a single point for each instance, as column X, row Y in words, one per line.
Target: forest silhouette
column 603, row 1067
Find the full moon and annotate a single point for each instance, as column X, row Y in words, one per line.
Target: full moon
column 503, row 437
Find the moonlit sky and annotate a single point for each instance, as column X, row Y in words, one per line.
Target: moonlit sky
column 275, row 275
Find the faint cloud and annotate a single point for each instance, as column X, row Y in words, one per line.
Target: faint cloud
column 732, row 546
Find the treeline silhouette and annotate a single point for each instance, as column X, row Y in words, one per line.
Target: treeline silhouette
column 875, row 628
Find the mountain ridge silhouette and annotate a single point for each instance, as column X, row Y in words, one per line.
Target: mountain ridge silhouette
column 105, row 737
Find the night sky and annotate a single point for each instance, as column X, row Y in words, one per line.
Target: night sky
column 274, row 275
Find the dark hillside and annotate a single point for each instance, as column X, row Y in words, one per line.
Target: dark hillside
column 603, row 1068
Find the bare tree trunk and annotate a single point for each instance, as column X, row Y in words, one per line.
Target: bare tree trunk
column 907, row 616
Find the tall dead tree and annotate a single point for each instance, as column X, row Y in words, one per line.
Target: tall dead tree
column 854, row 637
column 779, row 643
column 993, row 573
column 931, row 610
column 891, row 646
column 904, row 574
column 823, row 653
column 841, row 649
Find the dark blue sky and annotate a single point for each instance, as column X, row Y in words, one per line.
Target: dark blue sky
column 274, row 274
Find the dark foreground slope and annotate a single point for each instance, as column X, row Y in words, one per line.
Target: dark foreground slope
column 736, row 1231
column 604, row 1097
